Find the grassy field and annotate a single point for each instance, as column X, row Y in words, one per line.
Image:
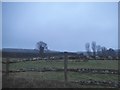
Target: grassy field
column 96, row 64
column 54, row 80
column 48, row 76
column 18, row 82
column 60, row 76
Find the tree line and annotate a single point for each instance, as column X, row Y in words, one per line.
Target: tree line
column 93, row 51
column 96, row 51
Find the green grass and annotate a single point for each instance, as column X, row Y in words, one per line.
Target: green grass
column 36, row 77
column 101, row 64
column 21, row 82
column 60, row 76
column 96, row 64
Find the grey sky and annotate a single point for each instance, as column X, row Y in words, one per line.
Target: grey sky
column 63, row 26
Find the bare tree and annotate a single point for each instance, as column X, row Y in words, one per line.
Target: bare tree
column 98, row 47
column 41, row 46
column 93, row 46
column 87, row 46
column 104, row 53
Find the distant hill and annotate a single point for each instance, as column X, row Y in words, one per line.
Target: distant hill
column 14, row 52
column 25, row 50
column 19, row 50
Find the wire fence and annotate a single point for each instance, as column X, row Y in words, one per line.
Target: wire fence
column 59, row 69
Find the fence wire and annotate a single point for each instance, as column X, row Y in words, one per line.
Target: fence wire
column 78, row 71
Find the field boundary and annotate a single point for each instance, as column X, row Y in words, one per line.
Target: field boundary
column 65, row 71
column 100, row 83
column 79, row 70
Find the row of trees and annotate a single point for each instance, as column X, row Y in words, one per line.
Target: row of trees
column 100, row 51
column 93, row 50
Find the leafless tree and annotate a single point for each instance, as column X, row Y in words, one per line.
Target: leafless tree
column 93, row 46
column 41, row 46
column 87, row 46
column 104, row 54
column 98, row 47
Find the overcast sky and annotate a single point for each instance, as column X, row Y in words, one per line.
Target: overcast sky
column 63, row 26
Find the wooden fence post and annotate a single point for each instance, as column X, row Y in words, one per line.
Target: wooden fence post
column 65, row 66
column 7, row 67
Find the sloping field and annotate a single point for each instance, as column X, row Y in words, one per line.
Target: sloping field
column 56, row 79
column 96, row 64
